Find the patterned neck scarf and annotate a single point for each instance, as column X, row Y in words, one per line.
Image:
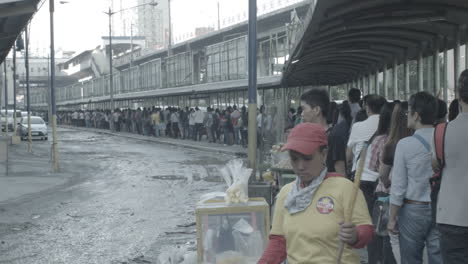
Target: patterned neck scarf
column 298, row 198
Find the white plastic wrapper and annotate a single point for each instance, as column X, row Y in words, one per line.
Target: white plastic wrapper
column 236, row 177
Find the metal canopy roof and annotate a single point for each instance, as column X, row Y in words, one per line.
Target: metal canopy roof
column 346, row 39
column 14, row 15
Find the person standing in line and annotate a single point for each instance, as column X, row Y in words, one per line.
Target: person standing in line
column 115, row 119
column 192, row 133
column 354, row 96
column 398, row 130
column 184, row 119
column 410, row 191
column 454, row 110
column 155, row 121
column 315, row 104
column 235, row 123
column 452, row 206
column 217, row 126
column 379, row 249
column 175, row 123
column 338, row 139
column 244, row 127
column 138, row 118
column 298, row 116
column 441, row 112
column 144, row 119
column 361, row 132
column 82, row 119
column 199, row 117
column 208, row 125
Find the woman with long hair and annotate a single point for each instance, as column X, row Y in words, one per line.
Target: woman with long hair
column 398, row 130
column 379, row 249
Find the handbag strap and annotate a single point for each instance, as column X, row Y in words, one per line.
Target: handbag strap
column 439, row 143
column 423, row 141
column 366, row 145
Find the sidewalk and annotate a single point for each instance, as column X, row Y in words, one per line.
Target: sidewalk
column 29, row 173
column 199, row 145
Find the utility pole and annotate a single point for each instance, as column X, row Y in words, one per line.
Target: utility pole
column 169, row 48
column 14, row 91
column 6, row 98
column 219, row 19
column 52, row 90
column 252, row 128
column 111, row 75
column 28, row 92
column 131, row 45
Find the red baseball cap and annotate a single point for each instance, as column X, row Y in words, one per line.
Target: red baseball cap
column 305, row 138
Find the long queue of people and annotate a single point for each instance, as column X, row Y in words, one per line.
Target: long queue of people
column 412, row 196
column 228, row 126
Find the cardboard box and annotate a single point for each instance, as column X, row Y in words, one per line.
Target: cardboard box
column 232, row 233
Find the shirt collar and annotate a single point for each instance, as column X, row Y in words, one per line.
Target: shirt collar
column 424, row 131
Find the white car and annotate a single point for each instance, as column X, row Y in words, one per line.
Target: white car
column 10, row 117
column 38, row 128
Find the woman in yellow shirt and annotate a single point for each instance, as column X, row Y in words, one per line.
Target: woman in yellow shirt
column 308, row 223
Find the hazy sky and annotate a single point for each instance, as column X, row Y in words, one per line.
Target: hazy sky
column 79, row 24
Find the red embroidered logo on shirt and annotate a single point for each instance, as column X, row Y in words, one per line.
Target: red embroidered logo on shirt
column 325, row 205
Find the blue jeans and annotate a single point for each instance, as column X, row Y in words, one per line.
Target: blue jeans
column 454, row 243
column 416, row 231
column 156, row 130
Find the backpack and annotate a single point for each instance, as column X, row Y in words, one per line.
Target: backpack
column 435, row 181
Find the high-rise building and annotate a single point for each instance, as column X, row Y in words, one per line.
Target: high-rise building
column 153, row 23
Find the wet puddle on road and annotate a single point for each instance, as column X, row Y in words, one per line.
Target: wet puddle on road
column 168, row 177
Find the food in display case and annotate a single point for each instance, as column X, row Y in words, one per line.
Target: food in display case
column 279, row 158
column 236, row 233
column 236, row 177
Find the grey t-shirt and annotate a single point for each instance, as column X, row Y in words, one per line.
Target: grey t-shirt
column 452, row 206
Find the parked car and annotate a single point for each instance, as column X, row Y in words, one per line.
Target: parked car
column 11, row 119
column 38, row 128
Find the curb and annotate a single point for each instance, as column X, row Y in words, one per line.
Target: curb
column 155, row 140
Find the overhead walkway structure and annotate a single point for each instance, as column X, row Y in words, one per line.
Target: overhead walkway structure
column 14, row 15
column 207, row 70
column 389, row 47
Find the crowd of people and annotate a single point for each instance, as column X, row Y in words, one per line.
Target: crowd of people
column 413, row 182
column 405, row 205
column 228, row 126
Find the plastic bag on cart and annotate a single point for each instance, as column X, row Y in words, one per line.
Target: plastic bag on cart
column 236, row 177
column 247, row 240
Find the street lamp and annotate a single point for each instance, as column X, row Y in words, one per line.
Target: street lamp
column 111, row 75
column 28, row 92
column 55, row 162
column 252, row 91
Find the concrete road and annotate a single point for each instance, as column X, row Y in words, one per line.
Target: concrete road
column 113, row 201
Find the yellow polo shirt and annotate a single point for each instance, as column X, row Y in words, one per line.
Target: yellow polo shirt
column 312, row 235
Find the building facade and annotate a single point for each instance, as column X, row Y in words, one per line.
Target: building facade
column 153, row 23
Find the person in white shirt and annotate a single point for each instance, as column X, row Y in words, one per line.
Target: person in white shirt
column 199, row 118
column 192, row 133
column 363, row 131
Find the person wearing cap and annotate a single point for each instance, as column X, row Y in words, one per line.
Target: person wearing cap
column 308, row 222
